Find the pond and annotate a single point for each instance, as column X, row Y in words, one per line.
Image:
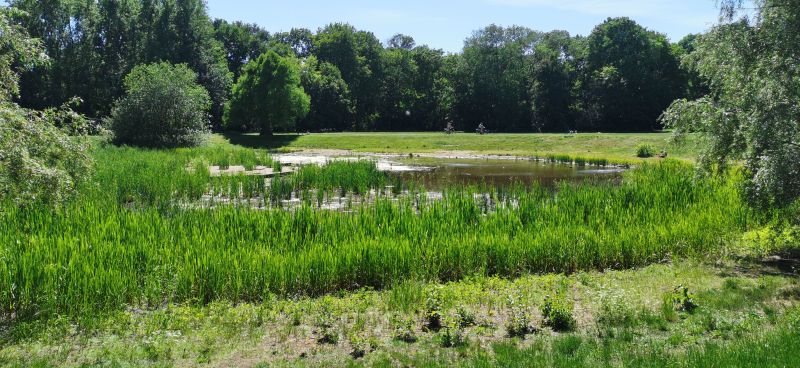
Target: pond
column 439, row 173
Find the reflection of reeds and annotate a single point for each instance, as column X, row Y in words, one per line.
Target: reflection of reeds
column 101, row 253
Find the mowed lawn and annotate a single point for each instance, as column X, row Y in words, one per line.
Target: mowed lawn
column 612, row 146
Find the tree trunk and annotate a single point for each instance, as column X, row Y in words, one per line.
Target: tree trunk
column 266, row 130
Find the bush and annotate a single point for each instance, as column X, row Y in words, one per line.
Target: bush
column 645, row 151
column 164, row 107
column 39, row 163
column 433, row 309
column 519, row 321
column 683, row 300
column 557, row 314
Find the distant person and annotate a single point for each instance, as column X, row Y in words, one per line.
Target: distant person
column 449, row 129
column 481, row 129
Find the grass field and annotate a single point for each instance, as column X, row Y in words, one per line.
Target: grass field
column 745, row 317
column 614, row 147
column 655, row 269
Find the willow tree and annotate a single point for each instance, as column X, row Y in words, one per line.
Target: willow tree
column 752, row 112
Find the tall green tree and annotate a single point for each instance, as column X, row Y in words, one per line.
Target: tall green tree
column 331, row 104
column 18, row 52
column 242, row 43
column 299, row 40
column 39, row 163
column 631, row 77
column 358, row 56
column 553, row 74
column 491, row 79
column 752, row 111
column 399, row 96
column 92, row 45
column 268, row 95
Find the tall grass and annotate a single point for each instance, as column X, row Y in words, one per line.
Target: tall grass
column 135, row 177
column 98, row 254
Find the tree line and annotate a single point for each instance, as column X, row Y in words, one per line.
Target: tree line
column 621, row 77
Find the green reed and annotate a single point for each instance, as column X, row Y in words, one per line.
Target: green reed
column 100, row 253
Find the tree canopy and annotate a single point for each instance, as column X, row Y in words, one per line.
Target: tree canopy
column 40, row 163
column 268, row 95
column 752, row 111
column 163, row 107
column 512, row 79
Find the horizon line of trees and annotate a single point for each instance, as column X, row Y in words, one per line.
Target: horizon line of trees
column 620, row 78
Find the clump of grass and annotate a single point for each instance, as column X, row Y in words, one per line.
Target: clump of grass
column 348, row 177
column 645, row 151
column 464, row 317
column 326, row 325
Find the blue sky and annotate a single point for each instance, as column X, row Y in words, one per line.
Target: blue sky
column 445, row 24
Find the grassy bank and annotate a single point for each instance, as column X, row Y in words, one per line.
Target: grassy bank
column 614, row 147
column 745, row 315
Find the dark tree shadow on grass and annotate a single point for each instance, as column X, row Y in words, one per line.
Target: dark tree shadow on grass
column 274, row 142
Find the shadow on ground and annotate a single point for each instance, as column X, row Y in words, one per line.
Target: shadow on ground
column 274, row 142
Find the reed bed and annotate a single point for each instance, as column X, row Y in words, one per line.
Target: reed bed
column 99, row 254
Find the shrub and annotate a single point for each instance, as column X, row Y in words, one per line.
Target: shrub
column 465, row 317
column 404, row 329
column 164, row 107
column 557, row 314
column 645, row 151
column 433, row 309
column 683, row 300
column 453, row 336
column 39, row 163
column 519, row 321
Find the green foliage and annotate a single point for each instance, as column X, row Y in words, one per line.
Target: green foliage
column 645, row 151
column 453, row 336
column 751, row 112
column 491, row 81
column 631, row 76
column 554, row 74
column 332, row 106
column 163, row 107
column 557, row 314
column 772, row 239
column 433, row 309
column 268, row 95
column 241, row 254
column 242, row 43
column 357, row 55
column 326, row 324
column 94, row 45
column 519, row 322
column 683, row 300
column 464, row 317
column 39, row 163
column 18, row 52
column 404, row 329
